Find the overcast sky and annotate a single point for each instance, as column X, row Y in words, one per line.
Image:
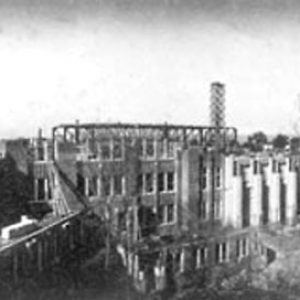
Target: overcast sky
column 148, row 61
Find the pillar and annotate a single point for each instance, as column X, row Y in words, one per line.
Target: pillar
column 182, row 260
column 291, row 199
column 46, row 188
column 177, row 187
column 274, row 203
column 236, row 203
column 124, row 192
column 135, row 266
column 45, row 148
column 256, row 200
column 99, row 186
column 36, row 187
column 86, row 186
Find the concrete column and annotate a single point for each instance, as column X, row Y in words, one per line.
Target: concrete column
column 256, row 200
column 112, row 188
column 46, row 187
column 86, row 186
column 111, row 147
column 182, row 260
column 198, row 258
column 190, row 189
column 235, row 216
column 36, row 187
column 129, row 263
column 124, row 192
column 228, row 186
column 274, row 203
column 98, row 186
column 45, row 149
column 123, row 146
column 177, row 186
column 155, row 186
column 135, row 266
column 291, row 199
column 165, row 148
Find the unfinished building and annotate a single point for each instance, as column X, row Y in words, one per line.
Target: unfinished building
column 181, row 190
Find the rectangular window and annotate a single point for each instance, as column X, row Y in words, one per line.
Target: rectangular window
column 170, row 213
column 117, row 185
column 170, row 149
column 160, row 148
column 40, row 152
column 139, row 184
column 117, row 149
column 41, row 189
column 149, row 182
column 224, row 251
column 217, row 208
column 139, row 147
column 149, row 147
column 204, row 178
column 201, row 257
column 105, row 149
column 49, row 190
column 106, row 186
column 160, row 182
column 203, row 209
column 93, row 186
column 237, row 248
column 161, row 213
column 80, row 184
column 218, row 177
column 170, row 181
column 235, row 168
column 255, row 167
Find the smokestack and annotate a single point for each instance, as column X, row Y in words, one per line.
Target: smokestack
column 217, row 105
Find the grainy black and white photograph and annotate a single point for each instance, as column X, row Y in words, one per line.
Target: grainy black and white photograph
column 150, row 149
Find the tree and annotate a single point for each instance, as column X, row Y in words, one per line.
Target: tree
column 280, row 141
column 256, row 141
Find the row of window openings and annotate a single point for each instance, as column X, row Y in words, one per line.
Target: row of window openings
column 114, row 185
column 114, row 149
column 222, row 250
column 203, row 210
column 258, row 167
column 166, row 213
column 217, row 178
column 43, row 189
column 222, row 253
column 165, row 182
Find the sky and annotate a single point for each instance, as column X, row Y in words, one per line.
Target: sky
column 148, row 61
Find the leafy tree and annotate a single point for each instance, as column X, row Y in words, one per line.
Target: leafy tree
column 280, row 141
column 256, row 141
column 295, row 144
